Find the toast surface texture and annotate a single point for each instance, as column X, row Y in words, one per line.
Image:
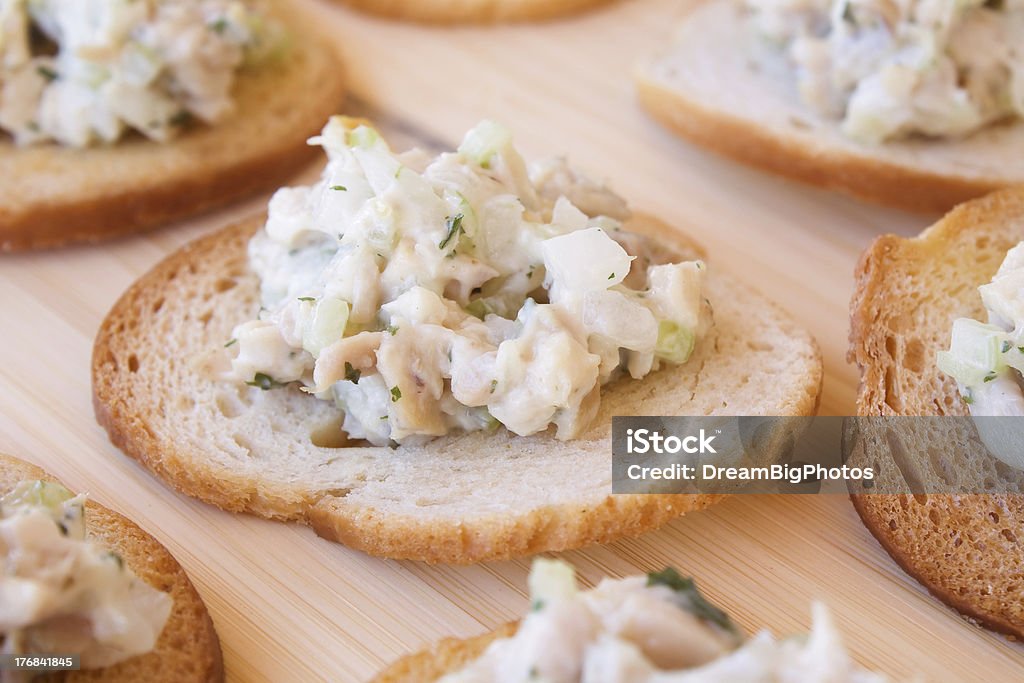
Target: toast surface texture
column 53, row 195
column 965, row 549
column 719, row 87
column 472, row 11
column 188, row 650
column 460, row 499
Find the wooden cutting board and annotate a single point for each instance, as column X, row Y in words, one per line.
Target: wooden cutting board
column 292, row 607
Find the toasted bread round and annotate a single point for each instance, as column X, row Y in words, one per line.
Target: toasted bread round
column 443, row 657
column 188, row 650
column 463, row 498
column 53, row 195
column 472, row 11
column 717, row 88
column 967, row 550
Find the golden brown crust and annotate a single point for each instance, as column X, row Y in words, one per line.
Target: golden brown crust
column 188, row 650
column 874, row 180
column 443, row 657
column 208, row 285
column 473, row 11
column 549, row 529
column 53, row 195
column 964, row 549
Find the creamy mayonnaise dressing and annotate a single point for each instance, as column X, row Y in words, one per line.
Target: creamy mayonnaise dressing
column 60, row 593
column 649, row 629
column 82, row 72
column 893, row 68
column 458, row 293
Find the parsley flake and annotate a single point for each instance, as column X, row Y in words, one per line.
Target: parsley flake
column 454, row 225
column 690, row 599
column 47, row 73
column 351, row 374
column 181, row 118
column 264, row 382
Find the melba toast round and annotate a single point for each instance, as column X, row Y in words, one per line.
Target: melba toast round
column 879, row 100
column 82, row 580
column 151, row 113
column 421, row 357
column 910, row 292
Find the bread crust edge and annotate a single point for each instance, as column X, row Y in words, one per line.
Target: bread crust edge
column 872, row 180
column 448, row 12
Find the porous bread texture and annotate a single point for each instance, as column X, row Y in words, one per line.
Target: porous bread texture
column 53, row 195
column 472, row 11
column 463, row 498
column 443, row 657
column 721, row 88
column 187, row 650
column 966, row 549
column 930, row 456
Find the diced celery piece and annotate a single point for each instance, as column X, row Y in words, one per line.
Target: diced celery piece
column 326, row 325
column 550, row 581
column 675, row 343
column 975, row 352
column 29, row 493
column 484, row 141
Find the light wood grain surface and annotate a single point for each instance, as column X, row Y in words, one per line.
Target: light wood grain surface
column 292, row 607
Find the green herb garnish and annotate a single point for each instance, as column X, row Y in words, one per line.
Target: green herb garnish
column 1006, row 346
column 339, row 188
column 396, row 394
column 536, row 605
column 351, row 374
column 989, row 377
column 219, row 26
column 454, row 225
column 612, row 276
column 690, row 599
column 392, row 330
column 264, row 382
column 307, row 298
column 230, row 342
column 47, row 73
column 182, row 118
column 494, row 385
